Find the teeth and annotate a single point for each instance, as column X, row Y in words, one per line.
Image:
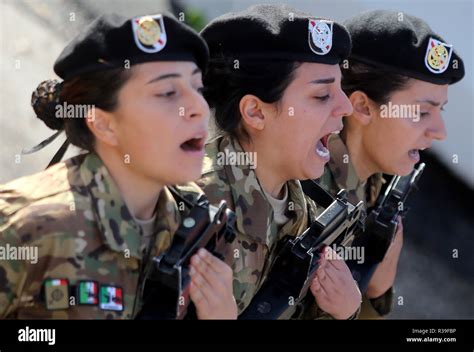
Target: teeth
column 321, row 150
column 199, row 136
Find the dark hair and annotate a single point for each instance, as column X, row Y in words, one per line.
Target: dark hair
column 99, row 89
column 225, row 85
column 376, row 82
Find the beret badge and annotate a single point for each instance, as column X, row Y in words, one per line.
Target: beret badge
column 149, row 33
column 438, row 55
column 320, row 36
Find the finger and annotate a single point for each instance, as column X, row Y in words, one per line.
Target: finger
column 322, row 260
column 198, row 263
column 337, row 264
column 320, row 291
column 400, row 224
column 327, row 285
column 321, row 274
column 198, row 276
column 315, row 285
column 215, row 263
column 211, row 282
column 217, row 280
column 205, row 286
column 198, row 297
column 334, row 282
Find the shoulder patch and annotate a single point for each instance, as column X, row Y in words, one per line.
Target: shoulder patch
column 111, row 298
column 56, row 294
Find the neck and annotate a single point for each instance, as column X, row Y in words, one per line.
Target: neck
column 363, row 164
column 268, row 175
column 140, row 193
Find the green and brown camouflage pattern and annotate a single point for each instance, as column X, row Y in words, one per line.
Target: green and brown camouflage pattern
column 74, row 213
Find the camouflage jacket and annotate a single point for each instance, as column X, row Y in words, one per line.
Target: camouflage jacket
column 89, row 252
column 340, row 173
column 257, row 233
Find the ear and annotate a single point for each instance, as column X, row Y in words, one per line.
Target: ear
column 251, row 111
column 363, row 107
column 102, row 125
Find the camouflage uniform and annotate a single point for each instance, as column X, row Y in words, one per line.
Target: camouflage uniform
column 74, row 214
column 257, row 234
column 340, row 173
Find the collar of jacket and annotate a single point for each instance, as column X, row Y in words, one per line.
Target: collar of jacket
column 253, row 211
column 116, row 225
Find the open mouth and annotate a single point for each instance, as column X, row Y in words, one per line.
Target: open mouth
column 322, row 147
column 193, row 144
column 414, row 154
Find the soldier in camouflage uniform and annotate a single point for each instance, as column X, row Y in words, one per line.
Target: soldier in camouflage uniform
column 93, row 223
column 255, row 161
column 394, row 61
column 340, row 174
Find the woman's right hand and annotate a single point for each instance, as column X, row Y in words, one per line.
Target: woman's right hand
column 335, row 290
column 211, row 287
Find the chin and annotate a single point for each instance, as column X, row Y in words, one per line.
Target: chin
column 315, row 172
column 403, row 169
column 184, row 176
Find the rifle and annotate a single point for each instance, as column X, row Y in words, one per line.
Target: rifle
column 296, row 262
column 166, row 288
column 381, row 225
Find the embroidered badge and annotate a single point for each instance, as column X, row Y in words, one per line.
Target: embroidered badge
column 438, row 55
column 56, row 294
column 87, row 292
column 320, row 36
column 111, row 298
column 149, row 33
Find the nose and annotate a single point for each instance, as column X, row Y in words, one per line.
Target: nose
column 437, row 129
column 343, row 105
column 196, row 106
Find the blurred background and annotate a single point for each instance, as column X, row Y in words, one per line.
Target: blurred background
column 436, row 270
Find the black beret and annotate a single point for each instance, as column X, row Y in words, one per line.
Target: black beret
column 277, row 32
column 111, row 39
column 403, row 44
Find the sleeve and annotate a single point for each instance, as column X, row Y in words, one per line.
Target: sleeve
column 12, row 272
column 377, row 308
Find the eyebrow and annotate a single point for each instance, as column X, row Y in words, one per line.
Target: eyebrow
column 323, row 81
column 172, row 75
column 431, row 102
